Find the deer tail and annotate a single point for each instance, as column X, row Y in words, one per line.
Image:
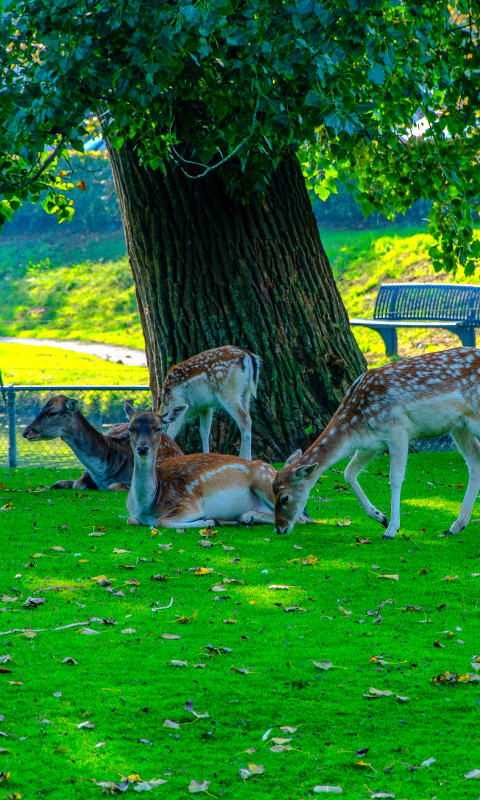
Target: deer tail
column 252, row 365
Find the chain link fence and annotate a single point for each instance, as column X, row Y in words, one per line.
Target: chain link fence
column 101, row 405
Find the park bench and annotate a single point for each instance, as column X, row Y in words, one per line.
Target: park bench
column 424, row 305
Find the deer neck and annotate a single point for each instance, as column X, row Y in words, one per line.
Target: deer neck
column 145, row 488
column 87, row 443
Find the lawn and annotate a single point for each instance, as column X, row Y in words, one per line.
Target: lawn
column 126, row 684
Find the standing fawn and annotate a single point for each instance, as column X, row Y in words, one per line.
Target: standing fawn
column 108, row 459
column 418, row 398
column 196, row 490
column 225, row 377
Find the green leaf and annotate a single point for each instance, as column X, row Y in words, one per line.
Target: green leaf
column 376, row 74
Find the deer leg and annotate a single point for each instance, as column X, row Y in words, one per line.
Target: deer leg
column 248, row 517
column 244, row 422
column 205, row 425
column 354, row 467
column 85, row 481
column 470, row 450
column 119, row 487
column 185, row 518
column 398, row 450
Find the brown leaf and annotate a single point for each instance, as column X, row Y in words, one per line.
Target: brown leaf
column 158, row 577
column 280, row 748
column 362, row 541
column 288, row 728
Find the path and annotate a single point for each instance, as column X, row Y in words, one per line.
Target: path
column 109, row 352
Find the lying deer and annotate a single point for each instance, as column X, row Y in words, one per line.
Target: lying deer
column 196, row 490
column 225, row 377
column 108, row 459
column 418, row 398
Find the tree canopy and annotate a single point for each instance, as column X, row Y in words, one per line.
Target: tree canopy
column 233, row 85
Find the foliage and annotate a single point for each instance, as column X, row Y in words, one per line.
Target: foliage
column 125, row 685
column 237, row 85
column 340, row 211
column 95, row 202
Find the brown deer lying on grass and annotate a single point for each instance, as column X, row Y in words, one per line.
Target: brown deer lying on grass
column 108, row 459
column 225, row 377
column 196, row 490
column 418, row 398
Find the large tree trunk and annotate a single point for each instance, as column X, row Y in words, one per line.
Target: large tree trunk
column 211, row 271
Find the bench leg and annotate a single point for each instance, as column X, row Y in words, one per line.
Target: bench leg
column 466, row 336
column 389, row 336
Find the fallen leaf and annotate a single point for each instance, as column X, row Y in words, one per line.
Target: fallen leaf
column 16, row 683
column 29, row 634
column 34, row 601
column 175, row 663
column 58, row 548
column 362, row 541
column 266, row 734
column 310, row 560
column 169, row 724
column 244, row 773
column 381, row 794
column 203, row 571
column 279, row 586
column 242, row 670
column 69, row 660
column 145, row 741
column 168, row 546
column 438, row 644
column 7, row 507
column 5, row 598
column 293, row 608
column 218, row 588
column 280, row 748
column 389, row 577
column 183, row 620
column 57, row 694
column 322, row 664
column 199, row 666
column 158, row 577
column 189, row 707
column 128, row 631
column 341, row 608
column 256, row 769
column 90, row 632
column 402, row 698
column 278, row 740
column 170, row 636
column 474, row 774
column 328, row 789
column 288, row 728
column 118, row 550
column 362, row 752
column 428, row 762
column 198, row 786
column 229, row 621
column 5, row 671
column 85, row 724
column 132, row 582
column 379, row 692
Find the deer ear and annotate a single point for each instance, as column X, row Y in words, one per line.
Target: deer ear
column 302, row 473
column 129, row 410
column 294, row 457
column 72, row 405
column 173, row 414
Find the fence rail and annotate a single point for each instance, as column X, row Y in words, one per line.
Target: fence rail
column 101, row 405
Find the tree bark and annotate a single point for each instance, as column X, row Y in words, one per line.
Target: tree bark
column 212, row 271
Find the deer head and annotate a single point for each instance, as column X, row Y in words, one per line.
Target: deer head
column 55, row 419
column 291, row 488
column 145, row 428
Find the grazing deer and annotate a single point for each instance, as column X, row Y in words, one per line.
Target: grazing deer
column 108, row 459
column 225, row 377
column 196, row 490
column 418, row 398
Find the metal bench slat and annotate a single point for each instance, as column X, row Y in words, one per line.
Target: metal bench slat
column 428, row 301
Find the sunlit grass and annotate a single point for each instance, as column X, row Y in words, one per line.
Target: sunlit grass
column 124, row 684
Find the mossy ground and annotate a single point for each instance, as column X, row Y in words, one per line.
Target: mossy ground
column 124, row 684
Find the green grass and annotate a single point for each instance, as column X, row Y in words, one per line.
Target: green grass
column 125, row 686
column 28, row 364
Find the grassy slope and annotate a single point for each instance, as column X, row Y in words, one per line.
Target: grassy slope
column 21, row 364
column 125, row 686
column 362, row 260
column 88, row 290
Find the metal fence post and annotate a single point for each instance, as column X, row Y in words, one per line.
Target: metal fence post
column 12, row 430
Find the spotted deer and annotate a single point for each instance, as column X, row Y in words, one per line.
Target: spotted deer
column 418, row 398
column 108, row 459
column 225, row 377
column 196, row 490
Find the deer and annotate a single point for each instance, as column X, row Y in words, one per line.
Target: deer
column 417, row 398
column 225, row 377
column 196, row 490
column 108, row 459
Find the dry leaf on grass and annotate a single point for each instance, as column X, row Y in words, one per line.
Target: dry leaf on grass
column 217, row 588
column 242, row 670
column 128, row 631
column 58, row 548
column 170, row 636
column 199, row 666
column 203, row 571
column 34, row 601
column 175, row 663
column 378, row 693
column 198, row 786
column 29, row 634
column 322, row 664
column 229, row 621
column 389, row 577
column 293, row 608
column 147, row 786
column 158, row 577
column 69, row 660
column 189, row 707
column 280, row 748
column 85, row 724
column 288, row 728
column 279, row 740
column 169, row 724
column 378, row 795
column 279, row 586
column 474, row 774
column 456, row 677
column 132, row 582
column 253, row 769
column 328, row 789
column 5, row 598
column 183, row 620
column 311, row 559
column 90, row 632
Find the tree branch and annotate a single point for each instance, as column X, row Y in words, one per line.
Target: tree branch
column 46, row 163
